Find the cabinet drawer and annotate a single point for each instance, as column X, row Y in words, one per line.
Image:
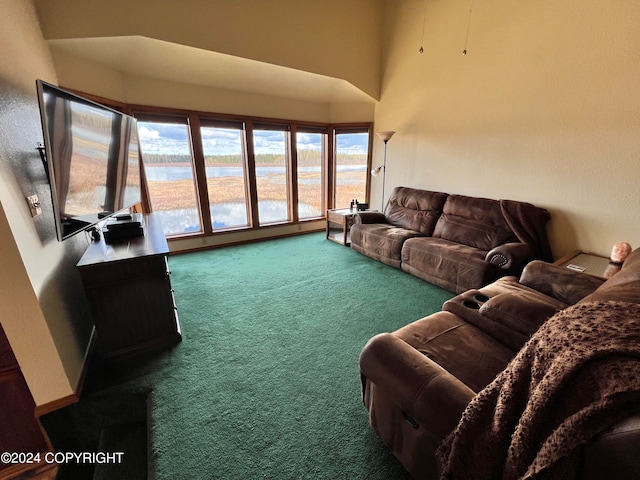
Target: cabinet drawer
column 123, row 271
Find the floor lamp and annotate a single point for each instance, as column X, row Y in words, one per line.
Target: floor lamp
column 384, row 136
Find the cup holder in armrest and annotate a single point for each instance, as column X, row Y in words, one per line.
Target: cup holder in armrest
column 476, row 301
column 481, row 297
column 467, row 305
column 471, row 304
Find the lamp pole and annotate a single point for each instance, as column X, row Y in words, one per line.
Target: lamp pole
column 385, row 137
column 384, row 172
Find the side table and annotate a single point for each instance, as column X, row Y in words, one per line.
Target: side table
column 588, row 263
column 339, row 221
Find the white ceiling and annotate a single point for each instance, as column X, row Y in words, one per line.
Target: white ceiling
column 146, row 57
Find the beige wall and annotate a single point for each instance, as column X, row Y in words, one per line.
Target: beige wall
column 25, row 325
column 545, row 108
column 46, row 325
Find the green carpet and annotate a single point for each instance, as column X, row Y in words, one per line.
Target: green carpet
column 265, row 384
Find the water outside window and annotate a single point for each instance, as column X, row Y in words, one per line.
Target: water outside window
column 310, row 150
column 270, row 147
column 225, row 168
column 351, row 168
column 168, row 165
column 170, row 170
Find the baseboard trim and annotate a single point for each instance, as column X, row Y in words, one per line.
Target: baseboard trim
column 180, row 250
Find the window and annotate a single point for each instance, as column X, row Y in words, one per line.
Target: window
column 168, row 162
column 351, row 167
column 211, row 174
column 310, row 149
column 225, row 165
column 270, row 146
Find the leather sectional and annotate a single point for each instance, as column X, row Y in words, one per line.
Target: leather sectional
column 432, row 377
column 454, row 241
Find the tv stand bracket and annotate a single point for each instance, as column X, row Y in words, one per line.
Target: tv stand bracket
column 43, row 157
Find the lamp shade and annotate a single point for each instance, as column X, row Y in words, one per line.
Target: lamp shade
column 385, row 136
column 376, row 171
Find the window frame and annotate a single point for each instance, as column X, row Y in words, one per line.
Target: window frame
column 201, row 117
column 324, row 167
column 290, row 175
column 186, row 119
column 349, row 128
column 212, row 122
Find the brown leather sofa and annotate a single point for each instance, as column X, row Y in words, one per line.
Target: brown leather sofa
column 418, row 380
column 453, row 241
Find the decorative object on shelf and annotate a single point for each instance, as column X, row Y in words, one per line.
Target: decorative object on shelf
column 620, row 252
column 384, row 136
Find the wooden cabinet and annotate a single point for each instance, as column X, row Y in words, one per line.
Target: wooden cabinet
column 129, row 290
column 20, row 432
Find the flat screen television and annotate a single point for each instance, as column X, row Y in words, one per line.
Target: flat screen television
column 92, row 159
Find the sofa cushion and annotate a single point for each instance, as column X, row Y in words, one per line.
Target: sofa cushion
column 414, row 209
column 380, row 241
column 454, row 266
column 520, row 312
column 523, row 311
column 472, row 221
column 461, row 349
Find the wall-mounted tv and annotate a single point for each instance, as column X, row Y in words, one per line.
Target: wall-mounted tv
column 92, row 157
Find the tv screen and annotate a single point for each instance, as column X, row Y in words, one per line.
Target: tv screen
column 92, row 159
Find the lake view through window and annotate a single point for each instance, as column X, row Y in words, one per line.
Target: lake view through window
column 208, row 175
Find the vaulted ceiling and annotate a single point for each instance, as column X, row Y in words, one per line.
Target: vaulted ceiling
column 147, row 57
column 316, row 50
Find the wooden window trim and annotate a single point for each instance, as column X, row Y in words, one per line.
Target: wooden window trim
column 247, row 124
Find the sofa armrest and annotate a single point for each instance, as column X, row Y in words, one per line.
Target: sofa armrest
column 561, row 283
column 509, row 255
column 521, row 311
column 614, row 453
column 421, row 388
column 369, row 217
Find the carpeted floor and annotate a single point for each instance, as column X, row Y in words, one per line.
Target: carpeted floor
column 265, row 383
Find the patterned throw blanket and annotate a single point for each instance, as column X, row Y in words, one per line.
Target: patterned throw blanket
column 577, row 375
